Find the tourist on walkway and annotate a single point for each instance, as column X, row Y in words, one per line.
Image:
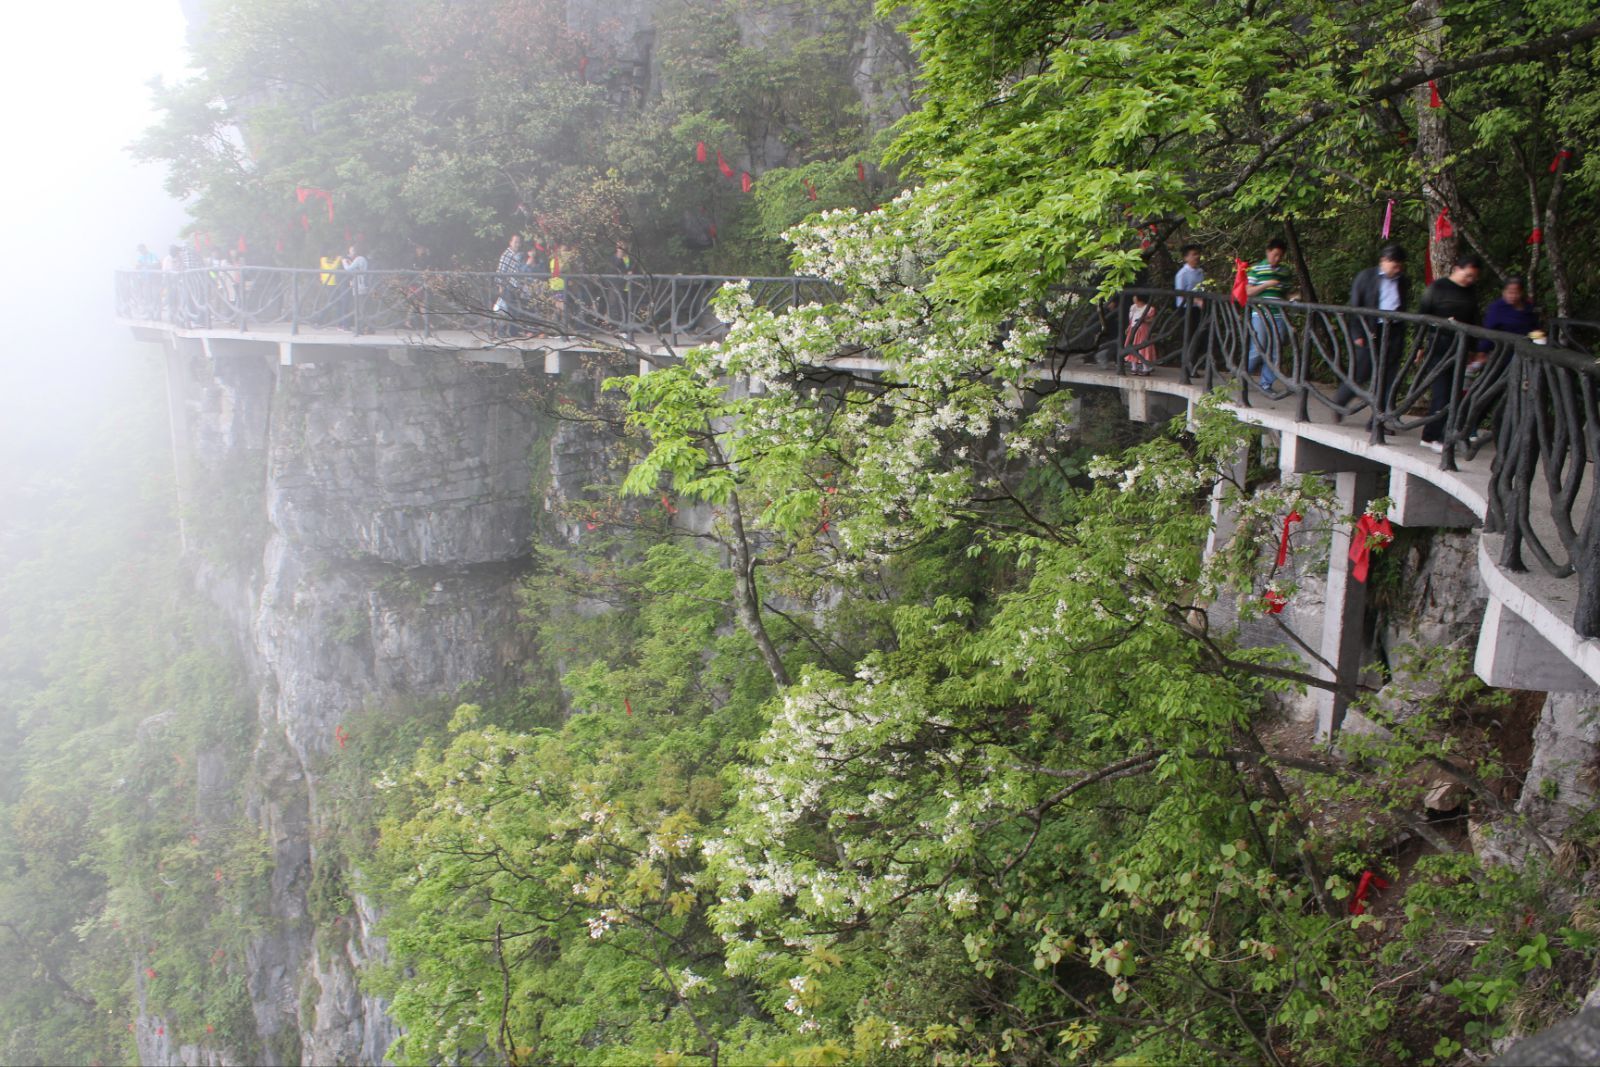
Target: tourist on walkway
column 1381, row 288
column 505, row 286
column 622, row 260
column 1268, row 280
column 1511, row 312
column 1453, row 298
column 1141, row 317
column 329, row 277
column 355, row 280
column 1191, row 276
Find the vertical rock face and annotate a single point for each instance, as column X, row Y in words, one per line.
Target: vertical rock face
column 365, row 523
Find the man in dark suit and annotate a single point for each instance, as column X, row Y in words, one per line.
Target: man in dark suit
column 1381, row 288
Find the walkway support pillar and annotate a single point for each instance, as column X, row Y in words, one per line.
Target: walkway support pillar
column 1345, row 606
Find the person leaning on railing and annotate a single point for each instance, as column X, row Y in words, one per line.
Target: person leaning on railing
column 1382, row 288
column 1454, row 298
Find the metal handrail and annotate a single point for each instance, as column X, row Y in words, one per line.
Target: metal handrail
column 1400, row 371
column 426, row 302
column 1396, row 370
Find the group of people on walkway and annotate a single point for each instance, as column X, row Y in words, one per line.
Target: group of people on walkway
column 517, row 290
column 1379, row 347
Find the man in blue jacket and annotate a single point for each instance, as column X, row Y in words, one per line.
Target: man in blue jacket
column 1381, row 288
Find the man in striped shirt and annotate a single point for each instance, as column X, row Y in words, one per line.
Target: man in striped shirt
column 506, row 302
column 1270, row 280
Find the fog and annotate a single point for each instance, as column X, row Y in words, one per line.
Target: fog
column 75, row 90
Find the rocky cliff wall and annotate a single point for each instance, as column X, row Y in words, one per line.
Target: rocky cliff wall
column 364, row 523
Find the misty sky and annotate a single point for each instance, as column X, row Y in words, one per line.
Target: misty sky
column 74, row 94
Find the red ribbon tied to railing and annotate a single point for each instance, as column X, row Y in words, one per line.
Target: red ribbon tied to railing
column 1283, row 539
column 1372, row 534
column 1241, row 282
column 1364, row 887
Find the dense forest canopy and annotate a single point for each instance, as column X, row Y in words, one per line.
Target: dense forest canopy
column 924, row 746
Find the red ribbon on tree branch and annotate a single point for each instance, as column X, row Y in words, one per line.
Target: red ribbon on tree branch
column 307, row 192
column 1563, row 156
column 699, row 151
column 1433, row 95
column 1372, row 534
column 1536, row 237
column 811, row 190
column 1273, row 601
column 1364, row 887
column 745, row 181
column 722, row 165
column 1283, row 540
column 340, row 736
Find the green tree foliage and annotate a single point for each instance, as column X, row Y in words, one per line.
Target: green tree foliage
column 453, row 124
column 120, row 879
column 1055, row 134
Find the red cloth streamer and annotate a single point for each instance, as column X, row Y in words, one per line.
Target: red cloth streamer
column 1372, row 534
column 241, row 246
column 1364, row 887
column 216, row 875
column 1283, row 540
column 1443, row 228
column 149, row 972
column 1388, row 217
column 699, row 151
column 308, row 192
column 1241, row 282
column 1433, row 95
column 1427, row 266
column 1536, row 237
column 722, row 165
column 340, row 736
column 744, row 181
column 1274, row 601
column 627, row 705
column 667, row 505
column 1563, row 156
column 583, row 69
column 861, row 172
column 811, row 190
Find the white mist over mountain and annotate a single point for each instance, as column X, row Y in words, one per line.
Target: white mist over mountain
column 73, row 94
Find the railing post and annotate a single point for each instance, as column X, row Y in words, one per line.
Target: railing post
column 294, row 302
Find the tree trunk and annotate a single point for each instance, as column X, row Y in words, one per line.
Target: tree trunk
column 747, row 598
column 1433, row 137
column 1552, row 243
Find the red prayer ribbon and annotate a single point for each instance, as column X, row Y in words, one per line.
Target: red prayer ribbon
column 1283, row 540
column 627, row 705
column 340, row 736
column 149, row 972
column 811, row 190
column 861, row 172
column 744, row 181
column 722, row 165
column 1372, row 534
column 1563, row 156
column 1241, row 282
column 1536, row 237
column 699, row 151
column 1443, row 228
column 583, row 69
column 1433, row 95
column 305, row 192
column 1274, row 601
column 1364, row 887
column 1388, row 217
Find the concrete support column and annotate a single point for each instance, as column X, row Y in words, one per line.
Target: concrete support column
column 1223, row 520
column 1346, row 603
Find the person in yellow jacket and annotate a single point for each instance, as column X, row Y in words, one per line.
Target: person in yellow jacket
column 330, row 265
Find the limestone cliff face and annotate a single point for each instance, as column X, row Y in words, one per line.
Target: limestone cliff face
column 364, row 522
